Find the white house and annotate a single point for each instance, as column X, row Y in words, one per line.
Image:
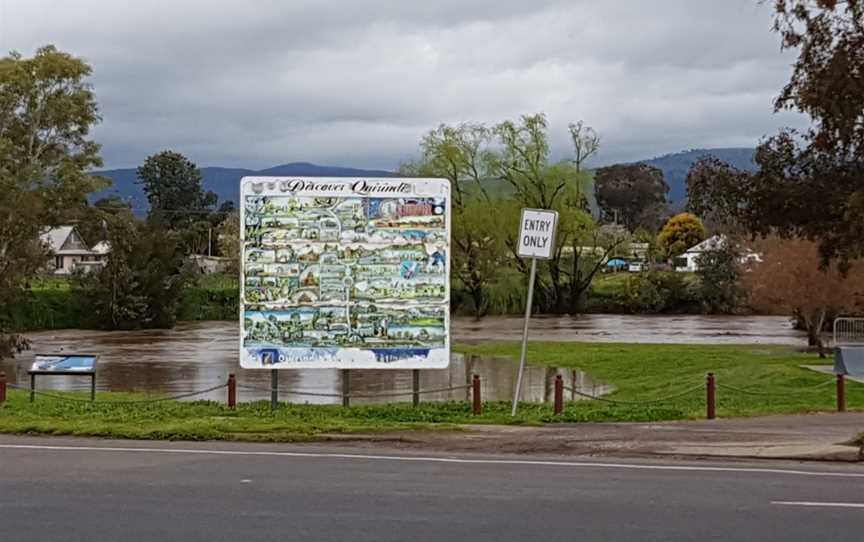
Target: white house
column 69, row 251
column 687, row 262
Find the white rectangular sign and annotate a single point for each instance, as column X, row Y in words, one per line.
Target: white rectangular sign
column 537, row 233
column 348, row 273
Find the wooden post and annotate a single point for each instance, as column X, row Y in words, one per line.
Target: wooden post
column 475, row 395
column 274, row 389
column 841, row 393
column 2, row 387
column 711, row 399
column 346, row 388
column 232, row 391
column 415, row 387
column 559, row 395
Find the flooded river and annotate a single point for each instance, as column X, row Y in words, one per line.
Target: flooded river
column 199, row 355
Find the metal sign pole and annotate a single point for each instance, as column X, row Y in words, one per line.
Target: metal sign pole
column 525, row 335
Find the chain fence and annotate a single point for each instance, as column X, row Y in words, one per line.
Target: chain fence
column 690, row 390
column 698, row 387
column 784, row 393
column 289, row 391
column 73, row 399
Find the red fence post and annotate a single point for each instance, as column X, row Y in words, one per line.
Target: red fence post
column 559, row 395
column 232, row 391
column 711, row 402
column 475, row 395
column 841, row 393
column 2, row 387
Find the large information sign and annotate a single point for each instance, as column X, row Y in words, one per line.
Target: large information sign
column 348, row 273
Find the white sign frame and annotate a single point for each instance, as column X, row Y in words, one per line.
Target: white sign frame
column 384, row 227
column 544, row 216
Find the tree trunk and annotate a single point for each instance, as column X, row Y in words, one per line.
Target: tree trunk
column 814, row 333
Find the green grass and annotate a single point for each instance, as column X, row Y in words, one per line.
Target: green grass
column 646, row 372
column 640, row 372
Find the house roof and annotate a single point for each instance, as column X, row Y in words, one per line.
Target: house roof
column 715, row 242
column 56, row 237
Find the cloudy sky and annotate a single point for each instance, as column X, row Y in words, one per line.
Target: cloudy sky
column 357, row 82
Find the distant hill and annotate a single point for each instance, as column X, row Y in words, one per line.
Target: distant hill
column 225, row 182
column 675, row 166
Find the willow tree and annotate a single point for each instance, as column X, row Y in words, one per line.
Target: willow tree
column 522, row 159
column 461, row 154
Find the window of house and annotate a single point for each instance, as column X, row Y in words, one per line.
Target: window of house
column 58, row 262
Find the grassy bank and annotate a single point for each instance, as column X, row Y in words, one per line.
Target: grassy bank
column 640, row 372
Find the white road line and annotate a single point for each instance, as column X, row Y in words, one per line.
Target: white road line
column 422, row 459
column 822, row 504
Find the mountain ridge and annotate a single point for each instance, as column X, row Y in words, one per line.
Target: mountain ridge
column 225, row 181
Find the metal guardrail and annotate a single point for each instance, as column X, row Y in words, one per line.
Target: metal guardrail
column 848, row 331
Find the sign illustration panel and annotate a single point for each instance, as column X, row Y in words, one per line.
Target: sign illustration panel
column 345, row 273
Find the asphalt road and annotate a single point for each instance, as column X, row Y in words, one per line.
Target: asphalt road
column 76, row 489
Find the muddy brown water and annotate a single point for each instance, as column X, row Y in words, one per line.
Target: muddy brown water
column 198, row 355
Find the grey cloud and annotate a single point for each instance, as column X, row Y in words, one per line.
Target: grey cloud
column 358, row 82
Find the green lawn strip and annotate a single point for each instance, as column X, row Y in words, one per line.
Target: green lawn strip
column 647, row 372
column 640, row 372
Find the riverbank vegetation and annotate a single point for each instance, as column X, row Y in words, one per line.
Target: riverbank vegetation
column 752, row 381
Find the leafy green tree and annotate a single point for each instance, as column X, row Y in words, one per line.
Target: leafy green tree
column 47, row 109
column 719, row 279
column 479, row 250
column 173, row 185
column 228, row 241
column 461, row 154
column 680, row 233
column 716, row 191
column 590, row 248
column 655, row 292
column 142, row 281
column 631, row 194
column 523, row 162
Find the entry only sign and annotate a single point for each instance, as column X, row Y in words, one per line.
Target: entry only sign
column 537, row 233
column 536, row 241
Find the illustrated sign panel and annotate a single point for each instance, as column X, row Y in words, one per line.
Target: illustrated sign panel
column 64, row 364
column 537, row 233
column 345, row 273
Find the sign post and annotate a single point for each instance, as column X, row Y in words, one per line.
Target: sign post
column 537, row 230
